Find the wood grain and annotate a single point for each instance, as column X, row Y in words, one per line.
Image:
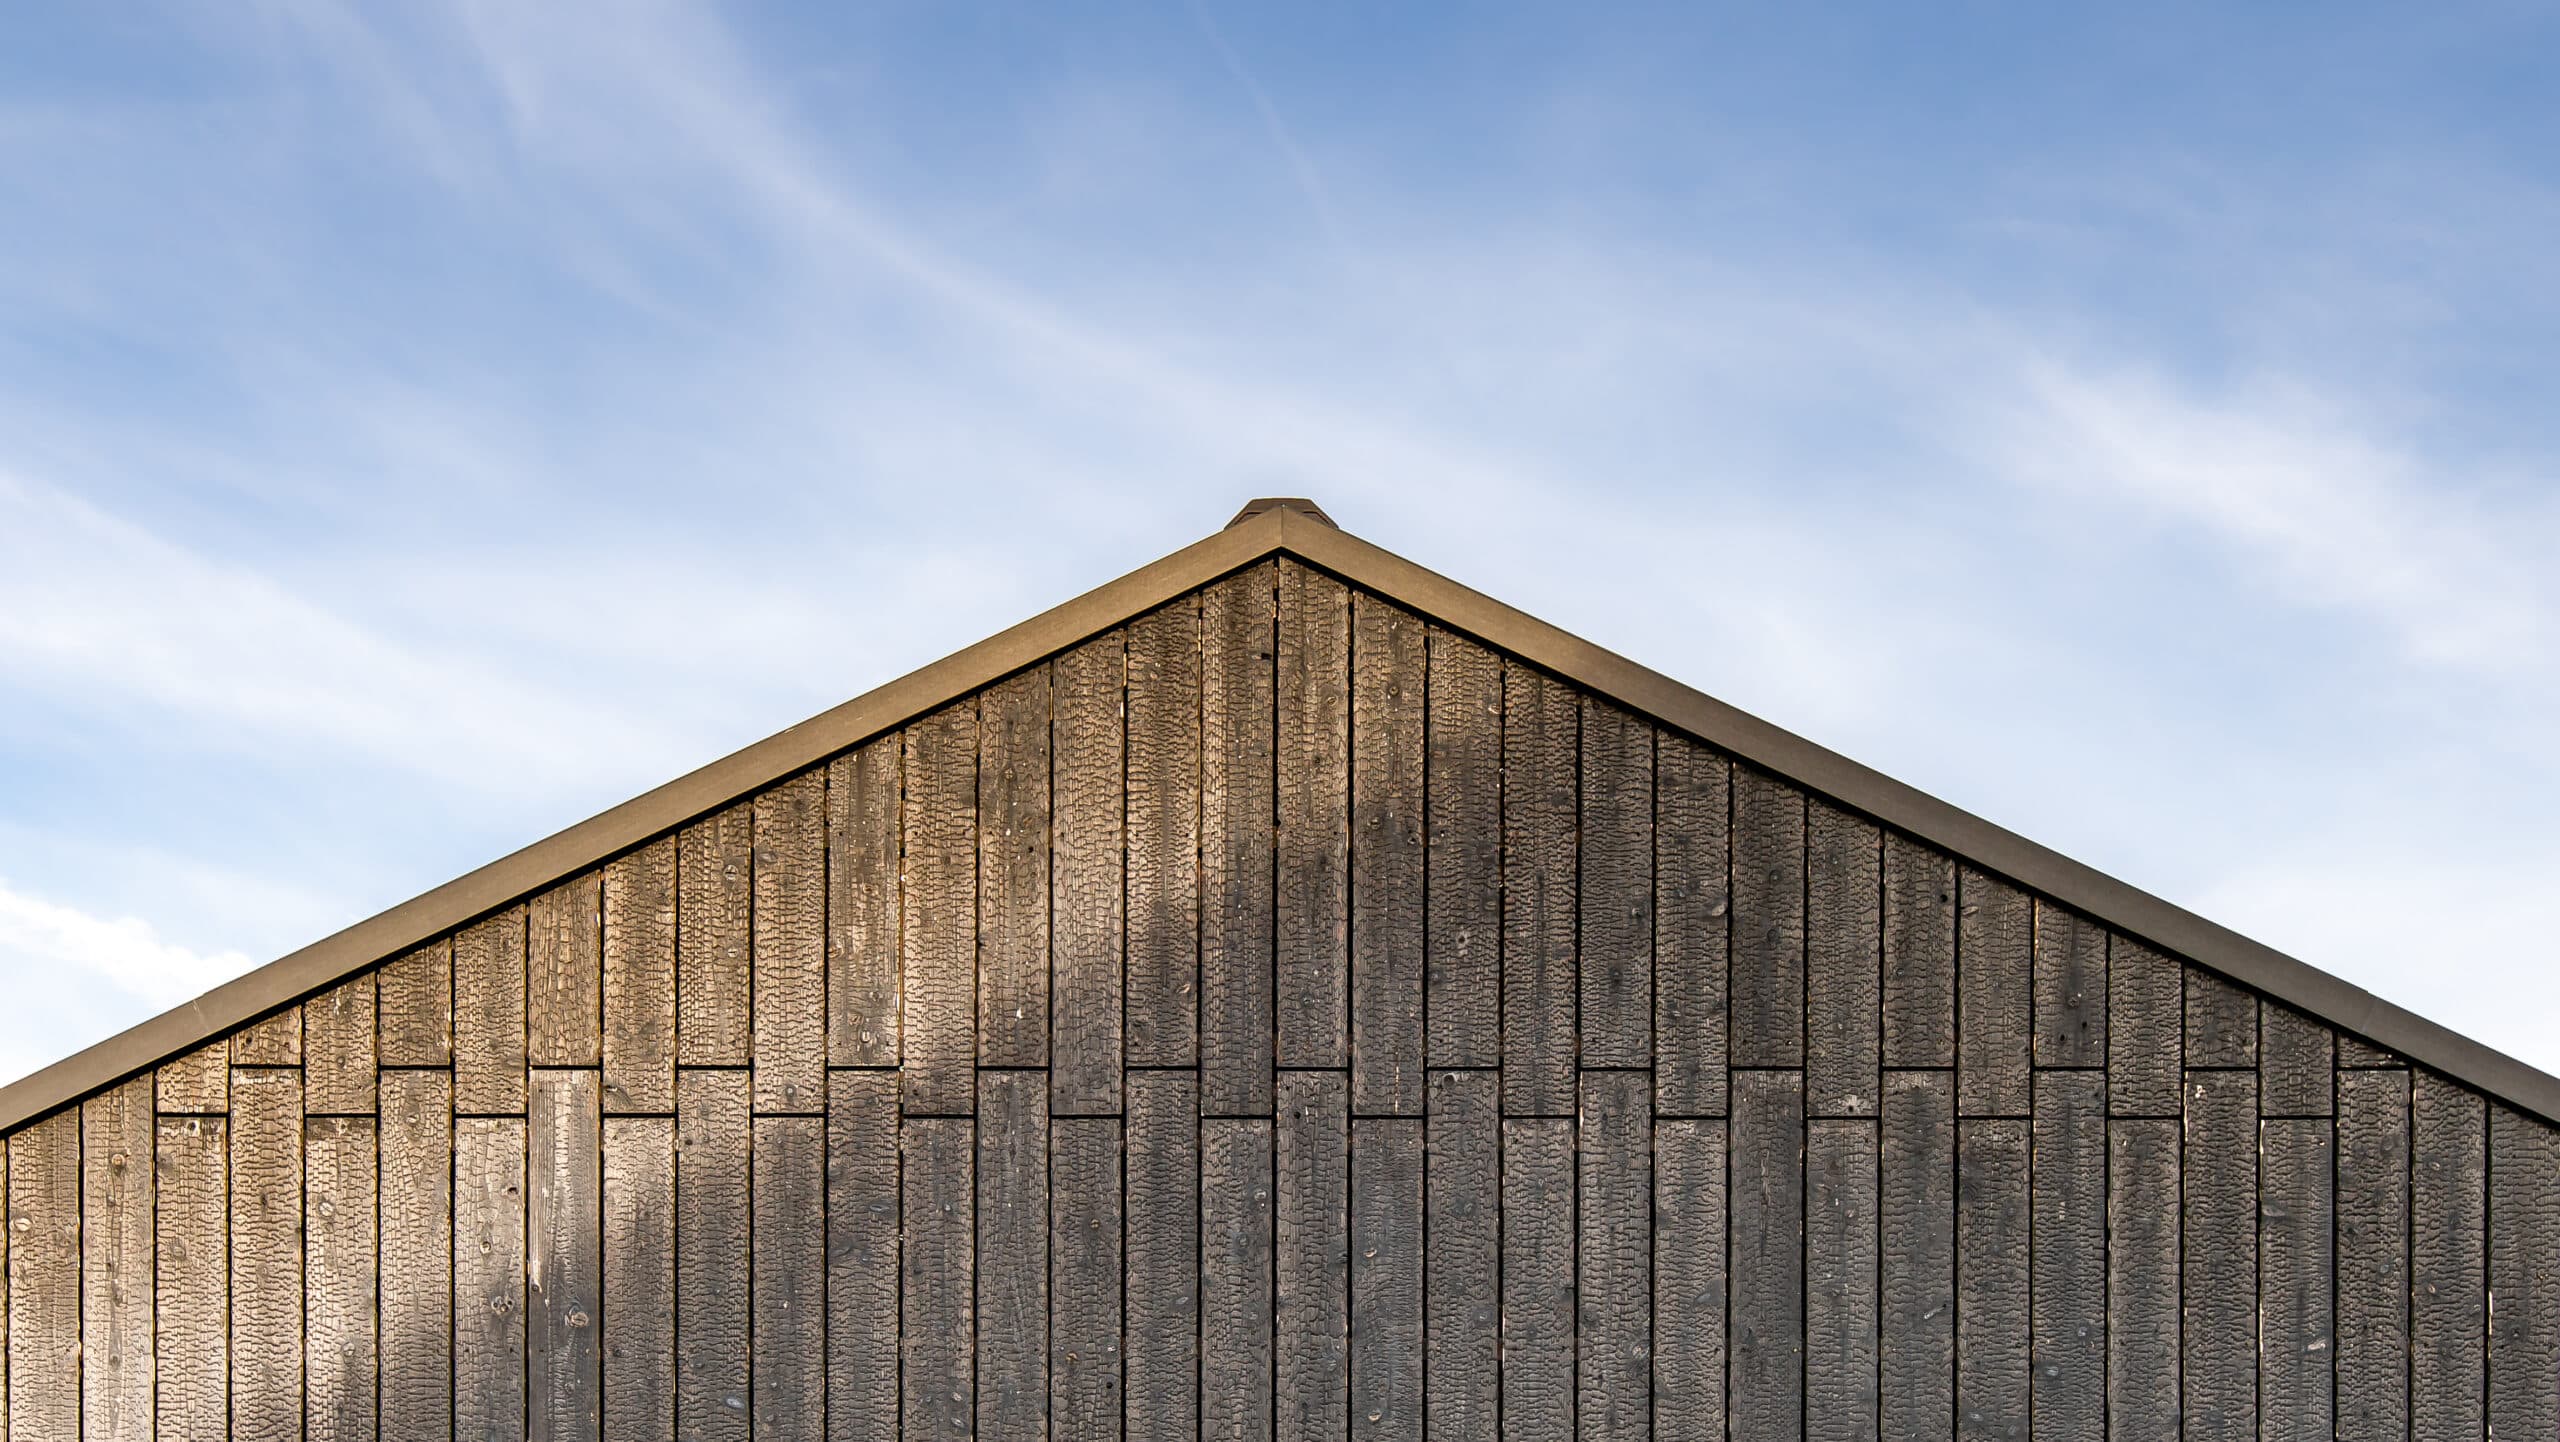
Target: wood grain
column 788, row 948
column 1919, row 954
column 1012, row 1212
column 342, row 1271
column 1312, row 1267
column 1086, row 1277
column 1313, row 738
column 489, row 1015
column 1766, row 1273
column 1689, row 1315
column 1538, row 1382
column 192, row 1276
column 1388, row 865
column 1844, row 975
column 1236, row 1269
column 1163, row 1298
column 1237, row 776
column 197, row 1082
column 864, row 1222
column 2295, row 1058
column 1541, row 721
column 639, row 1277
column 2220, row 1253
column 715, row 894
column 2142, row 1279
column 2145, row 1030
column 1161, row 1021
column 1613, row 1254
column 339, row 1026
column 413, row 1007
column 1462, row 785
column 2296, row 1341
column 2067, row 1272
column 2373, row 1255
column 2070, row 989
column 564, row 973
column 864, row 903
column 1995, row 995
column 489, row 1393
column 1087, row 900
column 787, row 1345
column 116, row 1275
column 1013, row 872
column 418, row 1234
column 639, row 959
column 714, row 1142
column 2524, row 1276
column 1993, row 1277
column 939, row 924
column 1767, row 988
column 1916, row 1346
column 564, row 1256
column 266, row 1254
column 1462, row 1262
column 1841, row 1320
column 2448, row 1254
column 938, row 1342
column 1614, row 877
column 1692, row 872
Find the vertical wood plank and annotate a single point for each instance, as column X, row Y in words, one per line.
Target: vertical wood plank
column 787, row 1349
column 2448, row 1252
column 863, row 788
column 713, row 1145
column 488, row 1011
column 1540, row 723
column 640, row 980
column 2373, row 1256
column 1462, row 785
column 266, row 1253
column 1692, row 802
column 1614, row 875
column 1163, row 1257
column 1086, row 875
column 2295, row 1338
column 2524, row 1275
column 1767, row 1270
column 2296, row 1055
column 2219, row 1222
column 2355, row 1051
column 1844, row 976
column 1916, row 1351
column 1919, row 954
column 1995, row 995
column 715, row 879
column 413, row 1007
column 1537, row 1279
column 1462, row 1265
column 199, row 1081
column 1236, row 1265
column 193, row 1277
column 564, row 973
column 2144, row 1030
column 338, row 1024
column 1386, row 1278
column 788, row 951
column 939, row 891
column 1312, row 1363
column 1012, row 1212
column 2070, row 988
column 417, row 1221
column 2222, row 1022
column 1013, row 871
column 1689, row 1282
column 1314, row 742
column 272, row 1040
column 488, row 1278
column 116, row 1199
column 863, row 1225
column 2068, row 1255
column 1768, row 921
column 342, row 1273
column 2142, row 1280
column 1992, row 1277
column 1614, row 1259
column 639, row 1277
column 1084, row 1324
column 939, row 1331
column 1387, row 860
column 1237, row 780
column 1163, row 837
column 1840, row 1292
column 564, row 1258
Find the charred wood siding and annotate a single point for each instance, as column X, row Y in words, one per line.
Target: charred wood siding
column 1281, row 1017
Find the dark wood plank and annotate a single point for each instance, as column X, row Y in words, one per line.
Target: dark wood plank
column 1614, row 875
column 1992, row 1276
column 715, row 894
column 939, row 893
column 1614, row 1259
column 1237, row 797
column 1688, row 1283
column 639, row 1277
column 1013, row 871
column 115, row 1284
column 1691, row 855
column 1844, row 964
column 787, row 958
column 488, row 1277
column 1919, row 954
column 2355, row 1051
column 1541, row 722
column 1389, row 673
column 413, row 1007
column 1916, row 1348
column 1313, row 736
column 2068, row 1262
column 2297, row 1268
column 1084, row 1321
column 1840, row 1288
column 342, row 1264
column 1163, row 1304
column 2219, row 1221
column 197, row 1082
column 2222, row 1022
column 2296, row 1055
column 191, row 1337
column 1767, row 1268
column 266, row 1254
column 564, row 1256
column 863, row 788
column 272, row 1040
column 713, row 1142
column 862, row 1255
column 939, row 1324
column 2142, row 1280
column 1995, row 995
column 1767, row 995
column 1537, row 1279
column 2448, row 1259
column 787, row 1354
column 2524, row 1275
column 1462, row 1265
column 1462, row 784
column 338, row 1025
column 640, row 980
column 2373, row 1256
column 1012, row 1210
column 417, row 1256
column 2144, row 1026
column 1162, row 1020
column 488, row 1012
column 1086, row 880
column 2071, row 991
column 564, row 973
column 1312, row 1362
column 1236, row 1265
column 1386, row 1277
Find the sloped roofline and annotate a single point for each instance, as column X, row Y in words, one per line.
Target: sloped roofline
column 1297, row 529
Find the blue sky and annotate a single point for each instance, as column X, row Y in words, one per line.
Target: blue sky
column 423, row 426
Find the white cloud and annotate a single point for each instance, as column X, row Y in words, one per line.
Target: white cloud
column 40, row 938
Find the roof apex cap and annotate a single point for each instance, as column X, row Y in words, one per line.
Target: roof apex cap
column 1299, row 504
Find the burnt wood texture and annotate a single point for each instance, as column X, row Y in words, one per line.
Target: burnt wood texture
column 1283, row 1016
